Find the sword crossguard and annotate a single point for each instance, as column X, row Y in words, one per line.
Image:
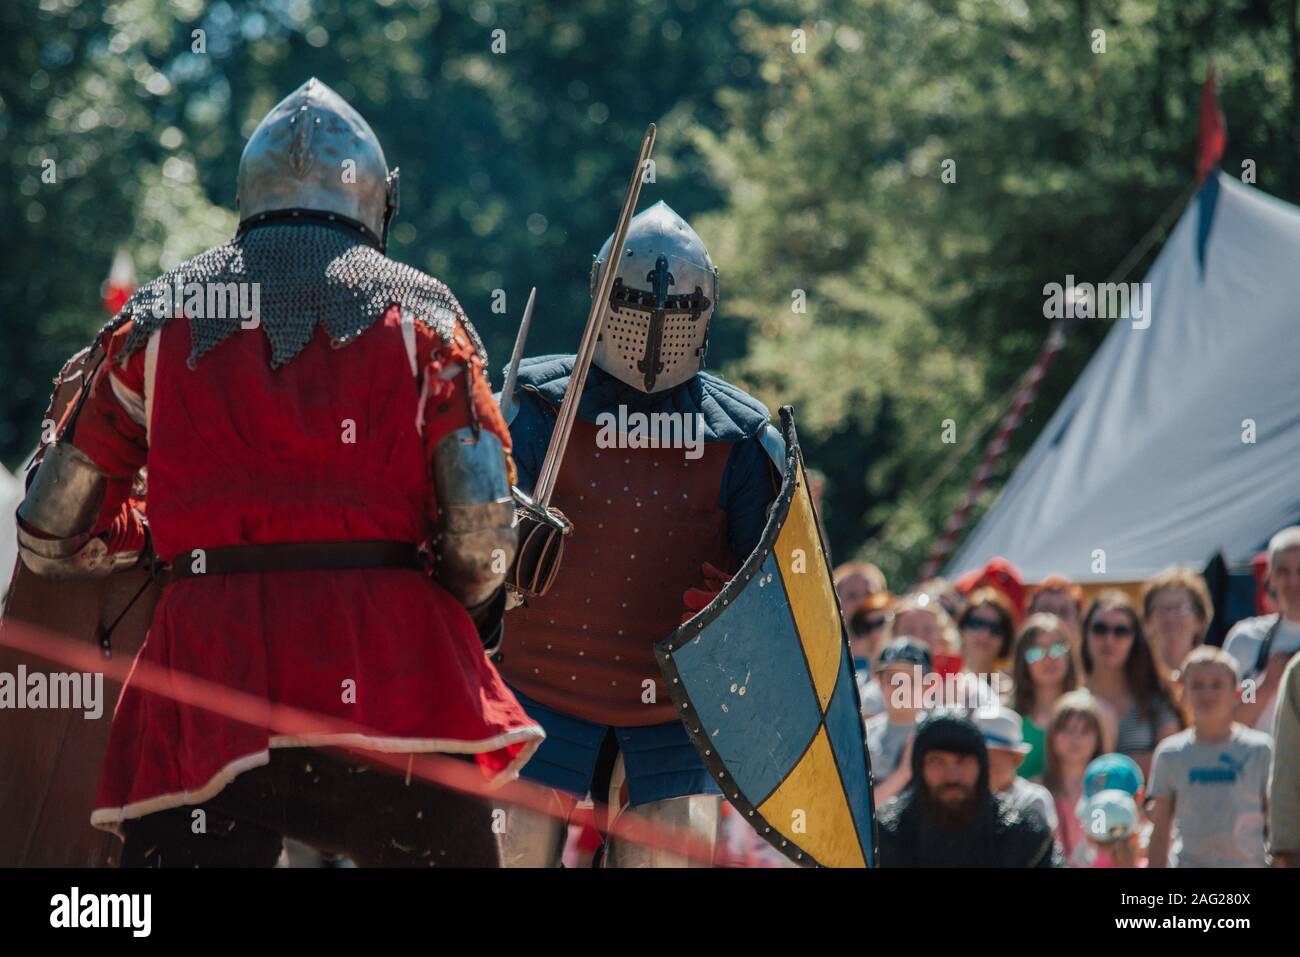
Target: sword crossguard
column 542, row 514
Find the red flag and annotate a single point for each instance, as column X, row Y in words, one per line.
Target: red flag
column 1214, row 133
column 120, row 283
column 1264, row 604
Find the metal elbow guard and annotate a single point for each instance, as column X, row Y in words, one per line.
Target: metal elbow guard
column 476, row 540
column 63, row 502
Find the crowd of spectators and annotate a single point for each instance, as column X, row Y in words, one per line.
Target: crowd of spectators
column 1068, row 724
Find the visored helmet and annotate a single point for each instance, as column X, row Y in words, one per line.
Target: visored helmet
column 656, row 326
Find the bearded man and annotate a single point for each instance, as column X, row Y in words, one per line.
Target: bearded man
column 949, row 817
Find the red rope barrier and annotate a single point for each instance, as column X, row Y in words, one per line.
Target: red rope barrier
column 285, row 720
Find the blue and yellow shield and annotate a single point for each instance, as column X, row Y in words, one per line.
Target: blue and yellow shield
column 763, row 680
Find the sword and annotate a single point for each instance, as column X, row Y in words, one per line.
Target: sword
column 544, row 515
column 582, row 363
column 512, row 372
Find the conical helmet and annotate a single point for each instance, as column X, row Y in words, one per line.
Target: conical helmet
column 313, row 155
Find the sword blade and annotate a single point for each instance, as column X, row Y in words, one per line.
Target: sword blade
column 512, row 372
column 582, row 363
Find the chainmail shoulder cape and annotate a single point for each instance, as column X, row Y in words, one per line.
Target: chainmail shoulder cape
column 306, row 273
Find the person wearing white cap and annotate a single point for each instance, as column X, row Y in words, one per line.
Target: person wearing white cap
column 1004, row 737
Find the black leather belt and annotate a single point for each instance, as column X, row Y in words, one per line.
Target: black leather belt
column 293, row 556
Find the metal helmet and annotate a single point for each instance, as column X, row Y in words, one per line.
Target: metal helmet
column 656, row 325
column 314, row 154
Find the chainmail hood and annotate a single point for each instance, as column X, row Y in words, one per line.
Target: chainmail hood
column 306, row 273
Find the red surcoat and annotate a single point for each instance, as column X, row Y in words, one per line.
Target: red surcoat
column 333, row 446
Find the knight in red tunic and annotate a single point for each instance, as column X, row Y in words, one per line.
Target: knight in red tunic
column 328, row 493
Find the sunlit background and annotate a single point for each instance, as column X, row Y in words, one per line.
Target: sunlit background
column 804, row 140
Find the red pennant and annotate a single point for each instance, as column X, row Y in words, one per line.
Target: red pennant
column 1214, row 132
column 120, row 284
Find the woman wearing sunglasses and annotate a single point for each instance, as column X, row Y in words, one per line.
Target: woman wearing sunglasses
column 1043, row 669
column 986, row 626
column 1122, row 673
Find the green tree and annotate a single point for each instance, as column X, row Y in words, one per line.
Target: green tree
column 924, row 292
column 514, row 158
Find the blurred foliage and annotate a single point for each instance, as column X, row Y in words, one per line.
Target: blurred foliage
column 513, row 164
column 924, row 298
column 816, row 171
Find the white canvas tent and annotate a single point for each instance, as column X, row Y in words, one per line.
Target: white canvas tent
column 1148, row 458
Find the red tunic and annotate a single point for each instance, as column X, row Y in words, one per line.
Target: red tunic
column 333, row 446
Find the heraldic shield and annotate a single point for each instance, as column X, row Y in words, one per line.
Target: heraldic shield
column 764, row 682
